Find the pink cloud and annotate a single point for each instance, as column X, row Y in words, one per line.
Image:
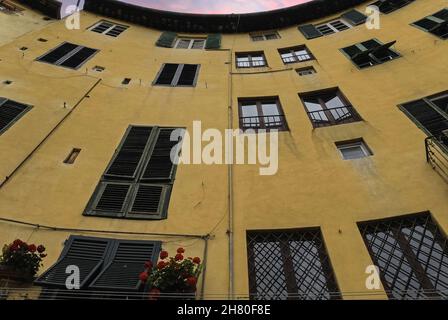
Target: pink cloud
column 215, row 6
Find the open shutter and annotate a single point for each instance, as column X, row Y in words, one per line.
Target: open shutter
column 427, row 117
column 355, row 17
column 160, row 167
column 188, row 75
column 127, row 159
column 310, row 31
column 150, row 202
column 111, row 198
column 10, row 111
column 86, row 253
column 79, row 58
column 127, row 262
column 213, row 41
column 166, row 39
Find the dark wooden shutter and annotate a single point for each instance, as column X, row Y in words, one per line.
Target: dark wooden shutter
column 213, row 41
column 310, row 31
column 167, row 74
column 150, row 202
column 127, row 159
column 166, row 40
column 58, row 53
column 127, row 262
column 86, row 253
column 160, row 167
column 10, row 111
column 111, row 198
column 355, row 17
column 79, row 58
column 188, row 75
column 429, row 119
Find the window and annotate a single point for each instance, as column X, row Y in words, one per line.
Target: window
column 126, row 81
column 262, row 113
column 295, row 54
column 290, row 265
column 68, row 55
column 412, row 255
column 187, row 43
column 354, row 149
column 370, row 53
column 430, row 114
column 109, row 28
column 329, row 107
column 11, row 112
column 250, row 60
column 109, row 268
column 306, row 71
column 178, row 75
column 388, row 6
column 98, row 68
column 263, row 36
column 437, row 24
column 345, row 22
column 72, row 156
column 333, row 27
column 138, row 181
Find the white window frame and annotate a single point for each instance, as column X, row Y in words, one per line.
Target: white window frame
column 113, row 26
column 349, row 145
column 264, row 35
column 191, row 44
column 329, row 25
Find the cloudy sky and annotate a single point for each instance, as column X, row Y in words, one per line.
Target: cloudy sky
column 216, row 6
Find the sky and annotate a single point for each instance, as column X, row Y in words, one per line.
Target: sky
column 216, row 6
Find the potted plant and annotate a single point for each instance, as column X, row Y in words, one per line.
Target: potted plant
column 21, row 261
column 172, row 277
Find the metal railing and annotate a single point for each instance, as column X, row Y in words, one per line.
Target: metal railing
column 263, row 122
column 437, row 155
column 334, row 116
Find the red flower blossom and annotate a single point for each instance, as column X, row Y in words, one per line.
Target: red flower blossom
column 17, row 242
column 154, row 293
column 40, row 249
column 192, row 281
column 148, row 264
column 143, row 276
column 32, row 248
column 161, row 265
column 163, row 255
column 180, row 250
column 14, row 247
column 197, row 260
column 179, row 257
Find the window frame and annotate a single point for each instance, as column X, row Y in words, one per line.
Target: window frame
column 27, row 108
column 341, row 145
column 108, row 30
column 264, row 35
column 250, row 55
column 432, row 18
column 177, row 74
column 191, row 43
column 292, row 50
column 394, row 8
column 258, row 101
column 67, row 56
column 330, row 26
column 305, row 69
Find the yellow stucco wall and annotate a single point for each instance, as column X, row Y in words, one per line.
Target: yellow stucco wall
column 313, row 186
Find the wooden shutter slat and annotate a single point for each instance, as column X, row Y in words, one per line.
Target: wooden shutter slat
column 9, row 112
column 112, row 197
column 428, row 117
column 355, row 17
column 166, row 39
column 79, row 58
column 310, row 31
column 167, row 74
column 188, row 75
column 213, row 41
column 56, row 54
column 149, row 201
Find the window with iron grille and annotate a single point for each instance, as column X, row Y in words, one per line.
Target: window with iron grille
column 290, row 265
column 388, row 6
column 68, row 55
column 109, row 28
column 261, row 113
column 295, row 54
column 329, row 107
column 306, row 71
column 333, row 26
column 250, row 60
column 178, row 75
column 436, row 24
column 370, row 53
column 10, row 112
column 137, row 182
column 109, row 268
column 189, row 43
column 263, row 36
column 412, row 255
column 431, row 115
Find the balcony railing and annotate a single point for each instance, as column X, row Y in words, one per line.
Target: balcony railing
column 437, row 156
column 334, row 116
column 264, row 122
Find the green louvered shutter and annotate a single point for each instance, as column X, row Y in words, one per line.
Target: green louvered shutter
column 166, row 39
column 355, row 17
column 213, row 41
column 310, row 31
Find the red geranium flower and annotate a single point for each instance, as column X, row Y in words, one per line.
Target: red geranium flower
column 197, row 260
column 32, row 248
column 192, row 281
column 180, row 250
column 144, row 276
column 179, row 257
column 17, row 242
column 161, row 265
column 148, row 264
column 14, row 247
column 163, row 255
column 40, row 249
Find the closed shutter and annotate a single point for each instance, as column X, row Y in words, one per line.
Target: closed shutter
column 112, row 198
column 355, row 17
column 86, row 253
column 129, row 156
column 167, row 74
column 79, row 58
column 310, row 31
column 127, row 262
column 429, row 119
column 166, row 40
column 160, row 167
column 150, row 202
column 10, row 111
column 188, row 75
column 58, row 53
column 213, row 41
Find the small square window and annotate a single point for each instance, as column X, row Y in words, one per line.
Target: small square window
column 98, row 68
column 306, row 71
column 42, row 40
column 355, row 149
column 23, row 48
column 126, row 81
column 72, row 156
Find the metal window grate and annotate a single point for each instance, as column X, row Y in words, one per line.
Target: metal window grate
column 291, row 265
column 412, row 255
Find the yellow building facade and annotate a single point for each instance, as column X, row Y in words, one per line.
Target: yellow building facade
column 218, row 212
